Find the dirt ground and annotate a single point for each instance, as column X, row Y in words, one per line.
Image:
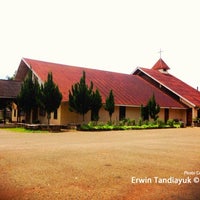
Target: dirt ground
column 100, row 165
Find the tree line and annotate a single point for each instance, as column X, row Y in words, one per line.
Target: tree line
column 83, row 98
column 33, row 96
column 48, row 97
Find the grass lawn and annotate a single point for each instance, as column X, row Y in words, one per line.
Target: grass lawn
column 23, row 130
column 99, row 165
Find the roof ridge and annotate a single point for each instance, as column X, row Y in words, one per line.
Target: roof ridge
column 28, row 60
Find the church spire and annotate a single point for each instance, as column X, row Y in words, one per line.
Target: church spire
column 161, row 66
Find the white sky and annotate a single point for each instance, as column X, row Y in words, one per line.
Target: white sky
column 114, row 35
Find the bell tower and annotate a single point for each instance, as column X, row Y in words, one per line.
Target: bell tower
column 161, row 66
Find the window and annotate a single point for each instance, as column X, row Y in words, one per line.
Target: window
column 55, row 114
column 122, row 112
column 198, row 114
column 166, row 114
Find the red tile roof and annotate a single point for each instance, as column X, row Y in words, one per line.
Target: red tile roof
column 175, row 85
column 129, row 90
column 160, row 64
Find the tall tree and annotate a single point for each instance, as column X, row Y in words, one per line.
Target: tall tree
column 80, row 96
column 28, row 98
column 110, row 104
column 154, row 108
column 51, row 96
column 96, row 104
column 150, row 110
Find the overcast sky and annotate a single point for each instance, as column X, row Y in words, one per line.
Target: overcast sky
column 114, row 35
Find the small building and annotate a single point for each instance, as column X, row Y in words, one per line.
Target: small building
column 9, row 89
column 177, row 100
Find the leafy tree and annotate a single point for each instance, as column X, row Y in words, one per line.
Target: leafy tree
column 110, row 104
column 51, row 96
column 96, row 104
column 28, row 98
column 154, row 108
column 80, row 96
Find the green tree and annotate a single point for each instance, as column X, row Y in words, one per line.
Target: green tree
column 150, row 110
column 29, row 96
column 96, row 104
column 110, row 104
column 80, row 96
column 51, row 96
column 153, row 107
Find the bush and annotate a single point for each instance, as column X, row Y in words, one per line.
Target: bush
column 160, row 123
column 170, row 122
column 130, row 125
column 140, row 122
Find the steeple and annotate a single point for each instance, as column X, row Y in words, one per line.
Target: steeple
column 161, row 66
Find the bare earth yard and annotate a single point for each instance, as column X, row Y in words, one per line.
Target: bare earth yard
column 100, row 165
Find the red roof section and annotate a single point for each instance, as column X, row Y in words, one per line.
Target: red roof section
column 176, row 85
column 129, row 90
column 160, row 64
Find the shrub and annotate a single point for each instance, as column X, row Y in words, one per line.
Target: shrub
column 170, row 122
column 160, row 123
column 140, row 122
column 85, row 127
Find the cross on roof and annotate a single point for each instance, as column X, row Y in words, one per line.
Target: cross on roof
column 160, row 52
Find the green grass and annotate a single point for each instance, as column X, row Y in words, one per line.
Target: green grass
column 23, row 130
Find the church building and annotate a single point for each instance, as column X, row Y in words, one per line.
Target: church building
column 176, row 99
